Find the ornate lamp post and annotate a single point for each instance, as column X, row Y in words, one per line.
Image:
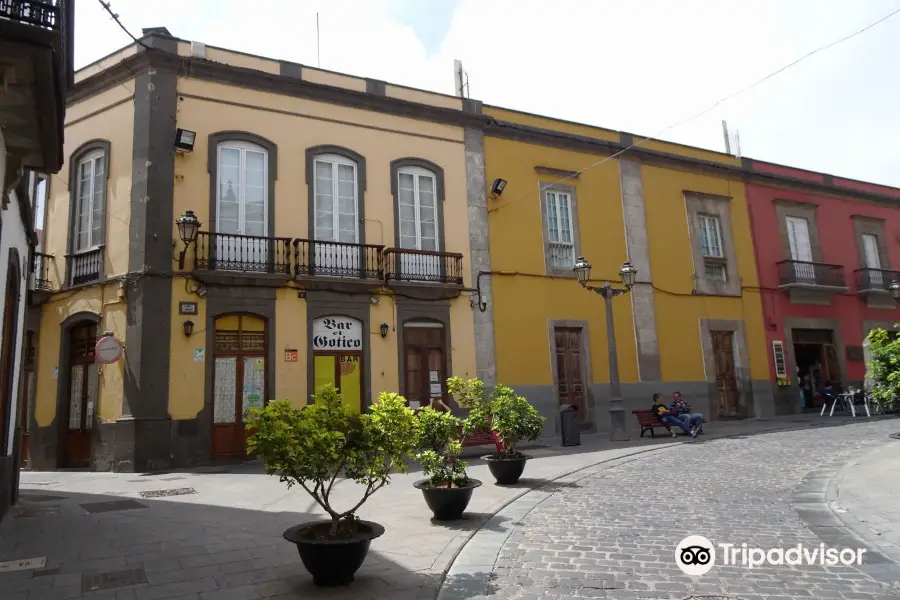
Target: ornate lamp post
column 627, row 273
column 188, row 226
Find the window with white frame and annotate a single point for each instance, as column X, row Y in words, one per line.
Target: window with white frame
column 242, row 198
column 711, row 248
column 335, row 199
column 560, row 232
column 89, row 201
column 417, row 200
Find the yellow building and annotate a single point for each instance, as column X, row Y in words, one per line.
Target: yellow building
column 328, row 222
column 692, row 322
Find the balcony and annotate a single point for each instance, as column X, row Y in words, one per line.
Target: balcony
column 247, row 255
column 423, row 266
column 809, row 282
column 36, row 45
column 874, row 286
column 338, row 259
column 243, row 253
column 84, row 267
column 40, row 272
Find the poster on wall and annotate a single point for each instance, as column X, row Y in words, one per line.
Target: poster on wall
column 335, row 333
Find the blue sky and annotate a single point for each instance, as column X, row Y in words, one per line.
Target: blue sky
column 637, row 66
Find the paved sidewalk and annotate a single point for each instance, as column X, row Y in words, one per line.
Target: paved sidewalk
column 102, row 537
column 867, row 498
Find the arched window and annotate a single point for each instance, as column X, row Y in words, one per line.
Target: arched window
column 88, row 183
column 336, row 199
column 242, row 189
column 417, row 208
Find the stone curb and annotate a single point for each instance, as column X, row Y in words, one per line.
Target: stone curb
column 469, row 572
column 815, row 500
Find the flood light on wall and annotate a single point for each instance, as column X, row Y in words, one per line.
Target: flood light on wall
column 497, row 188
column 184, row 140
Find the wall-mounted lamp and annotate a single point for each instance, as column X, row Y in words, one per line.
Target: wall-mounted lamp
column 384, row 329
column 895, row 290
column 188, row 226
column 188, row 328
column 184, row 140
column 497, row 188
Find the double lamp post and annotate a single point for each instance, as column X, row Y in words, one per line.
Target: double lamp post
column 627, row 274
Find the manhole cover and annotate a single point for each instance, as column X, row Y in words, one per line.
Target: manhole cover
column 23, row 564
column 164, row 493
column 108, row 581
column 112, row 505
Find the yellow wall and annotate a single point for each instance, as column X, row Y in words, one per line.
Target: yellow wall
column 677, row 312
column 101, row 300
column 524, row 304
column 109, row 116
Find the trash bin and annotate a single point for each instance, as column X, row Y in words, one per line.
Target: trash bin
column 570, row 428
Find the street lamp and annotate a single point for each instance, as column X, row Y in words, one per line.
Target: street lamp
column 188, row 226
column 895, row 290
column 627, row 274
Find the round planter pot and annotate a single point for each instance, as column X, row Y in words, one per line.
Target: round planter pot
column 447, row 504
column 506, row 471
column 333, row 562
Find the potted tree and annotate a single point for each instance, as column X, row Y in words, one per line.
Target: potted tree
column 448, row 489
column 511, row 418
column 313, row 446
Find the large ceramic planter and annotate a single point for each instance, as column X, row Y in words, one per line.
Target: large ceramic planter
column 447, row 504
column 332, row 562
column 506, row 471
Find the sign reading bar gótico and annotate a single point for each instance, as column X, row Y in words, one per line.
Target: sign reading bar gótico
column 337, row 333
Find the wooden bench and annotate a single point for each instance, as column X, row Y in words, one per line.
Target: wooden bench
column 649, row 421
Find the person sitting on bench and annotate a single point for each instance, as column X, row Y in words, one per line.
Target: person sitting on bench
column 666, row 417
column 683, row 411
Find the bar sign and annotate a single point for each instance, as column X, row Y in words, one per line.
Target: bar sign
column 780, row 366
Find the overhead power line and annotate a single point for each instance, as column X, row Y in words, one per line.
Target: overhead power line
column 710, row 107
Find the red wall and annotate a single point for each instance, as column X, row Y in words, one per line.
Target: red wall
column 839, row 247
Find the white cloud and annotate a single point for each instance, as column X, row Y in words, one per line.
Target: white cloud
column 637, row 66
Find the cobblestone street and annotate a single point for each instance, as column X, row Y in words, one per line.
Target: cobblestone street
column 613, row 533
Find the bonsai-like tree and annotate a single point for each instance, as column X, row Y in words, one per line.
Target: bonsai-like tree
column 510, row 417
column 885, row 368
column 439, row 435
column 314, row 445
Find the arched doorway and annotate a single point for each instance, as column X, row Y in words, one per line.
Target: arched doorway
column 82, row 393
column 425, row 364
column 239, row 380
column 338, row 357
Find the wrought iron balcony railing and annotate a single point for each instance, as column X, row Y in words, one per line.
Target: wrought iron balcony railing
column 85, row 267
column 875, row 279
column 40, row 13
column 338, row 259
column 423, row 265
column 40, row 272
column 243, row 253
column 796, row 272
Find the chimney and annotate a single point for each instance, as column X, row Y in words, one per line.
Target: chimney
column 157, row 30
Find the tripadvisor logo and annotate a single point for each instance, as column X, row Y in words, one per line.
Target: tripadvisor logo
column 696, row 555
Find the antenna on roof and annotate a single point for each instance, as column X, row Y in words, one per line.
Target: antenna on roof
column 461, row 87
column 318, row 51
column 731, row 140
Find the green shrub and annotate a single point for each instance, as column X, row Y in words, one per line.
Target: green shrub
column 314, row 445
column 885, row 368
column 442, row 448
column 510, row 416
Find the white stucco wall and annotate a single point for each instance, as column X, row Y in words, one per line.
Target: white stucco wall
column 12, row 235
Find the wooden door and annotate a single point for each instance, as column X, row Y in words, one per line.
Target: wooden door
column 27, row 399
column 569, row 369
column 82, row 395
column 425, row 365
column 239, row 382
column 344, row 371
column 726, row 381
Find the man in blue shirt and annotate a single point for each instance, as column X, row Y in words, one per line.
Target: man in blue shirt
column 683, row 411
column 666, row 417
